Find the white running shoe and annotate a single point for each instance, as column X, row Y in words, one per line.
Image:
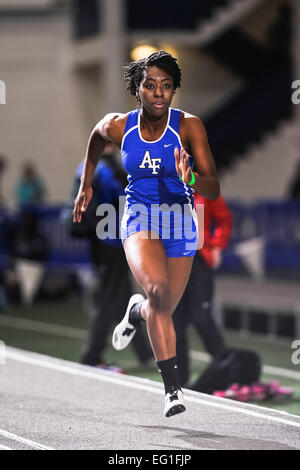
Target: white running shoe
column 125, row 331
column 174, row 403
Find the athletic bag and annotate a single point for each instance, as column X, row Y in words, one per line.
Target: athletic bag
column 231, row 366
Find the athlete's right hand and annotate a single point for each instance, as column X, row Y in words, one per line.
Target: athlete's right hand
column 81, row 202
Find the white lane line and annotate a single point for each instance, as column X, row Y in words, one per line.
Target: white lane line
column 42, row 327
column 28, row 442
column 281, row 372
column 5, row 448
column 291, row 374
column 81, row 334
column 140, row 385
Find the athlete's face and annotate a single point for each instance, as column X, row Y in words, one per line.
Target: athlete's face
column 156, row 90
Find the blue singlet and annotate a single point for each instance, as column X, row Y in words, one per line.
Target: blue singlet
column 156, row 199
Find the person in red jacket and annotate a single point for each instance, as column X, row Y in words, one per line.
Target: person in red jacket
column 195, row 306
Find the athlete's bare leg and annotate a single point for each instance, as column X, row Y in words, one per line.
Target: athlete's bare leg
column 163, row 280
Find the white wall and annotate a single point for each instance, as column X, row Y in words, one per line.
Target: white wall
column 267, row 169
column 41, row 120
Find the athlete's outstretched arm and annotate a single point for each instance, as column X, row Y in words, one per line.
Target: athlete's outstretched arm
column 96, row 144
column 206, row 181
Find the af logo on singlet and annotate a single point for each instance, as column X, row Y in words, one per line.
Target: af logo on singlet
column 153, row 163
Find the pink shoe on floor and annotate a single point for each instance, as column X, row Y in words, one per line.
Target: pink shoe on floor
column 235, row 392
column 225, row 394
column 258, row 392
column 255, row 392
column 244, row 394
column 231, row 392
column 219, row 393
column 275, row 392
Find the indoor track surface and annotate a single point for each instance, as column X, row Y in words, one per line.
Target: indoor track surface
column 54, row 404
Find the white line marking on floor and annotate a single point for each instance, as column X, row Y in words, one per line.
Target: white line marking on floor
column 5, row 448
column 28, row 442
column 282, row 372
column 81, row 334
column 42, row 327
column 109, row 377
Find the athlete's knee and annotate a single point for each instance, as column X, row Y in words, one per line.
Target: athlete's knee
column 159, row 297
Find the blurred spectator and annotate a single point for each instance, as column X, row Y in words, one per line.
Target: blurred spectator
column 28, row 241
column 294, row 186
column 3, row 300
column 232, row 373
column 25, row 244
column 3, row 166
column 5, row 237
column 5, row 226
column 113, row 286
column 30, row 188
column 280, row 34
column 195, row 306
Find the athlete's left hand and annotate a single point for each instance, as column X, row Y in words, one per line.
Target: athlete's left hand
column 182, row 165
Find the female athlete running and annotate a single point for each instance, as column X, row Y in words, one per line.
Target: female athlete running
column 159, row 146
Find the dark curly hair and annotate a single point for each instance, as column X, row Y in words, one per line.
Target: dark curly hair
column 135, row 70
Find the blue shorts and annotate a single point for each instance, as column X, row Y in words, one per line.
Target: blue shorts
column 176, row 226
